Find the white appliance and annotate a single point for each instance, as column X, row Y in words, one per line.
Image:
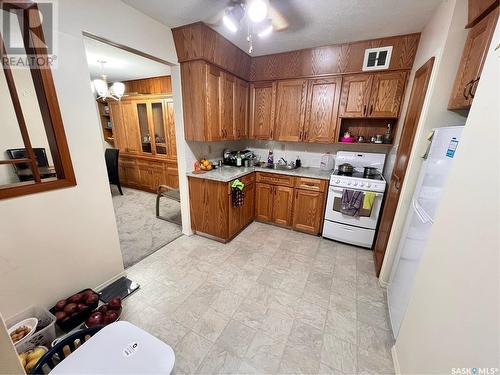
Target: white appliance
column 419, row 220
column 355, row 230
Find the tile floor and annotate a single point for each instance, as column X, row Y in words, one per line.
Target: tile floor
column 272, row 301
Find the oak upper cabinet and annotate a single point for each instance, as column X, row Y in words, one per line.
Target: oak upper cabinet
column 355, row 95
column 472, row 61
column 291, row 98
column 213, row 115
column 262, row 109
column 376, row 95
column 477, row 9
column 386, row 94
column 241, row 93
column 227, row 106
column 323, row 98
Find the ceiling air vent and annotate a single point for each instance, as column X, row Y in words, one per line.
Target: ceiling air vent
column 377, row 58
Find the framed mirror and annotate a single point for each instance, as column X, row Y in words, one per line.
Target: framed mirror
column 34, row 154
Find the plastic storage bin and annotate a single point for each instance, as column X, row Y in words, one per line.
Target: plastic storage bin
column 45, row 330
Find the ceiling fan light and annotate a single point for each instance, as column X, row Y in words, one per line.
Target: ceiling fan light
column 257, row 10
column 266, row 32
column 117, row 89
column 230, row 22
column 101, row 87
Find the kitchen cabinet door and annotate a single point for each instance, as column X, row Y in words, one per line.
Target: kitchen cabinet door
column 235, row 220
column 323, row 98
column 264, row 202
column 387, row 95
column 119, row 130
column 355, row 95
column 291, row 98
column 308, row 211
column 171, row 142
column 283, row 205
column 227, row 106
column 133, row 137
column 241, row 109
column 212, row 105
column 472, row 61
column 262, row 108
column 249, row 204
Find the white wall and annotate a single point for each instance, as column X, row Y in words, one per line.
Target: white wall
column 57, row 242
column 443, row 37
column 453, row 316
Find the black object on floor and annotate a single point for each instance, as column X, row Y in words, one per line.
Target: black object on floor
column 123, row 287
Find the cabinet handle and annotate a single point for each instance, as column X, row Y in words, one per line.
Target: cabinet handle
column 371, row 109
column 300, row 135
column 364, row 110
column 467, row 92
column 296, row 195
column 473, row 88
column 272, row 133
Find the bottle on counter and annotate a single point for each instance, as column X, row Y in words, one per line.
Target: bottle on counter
column 298, row 162
column 270, row 158
column 238, row 159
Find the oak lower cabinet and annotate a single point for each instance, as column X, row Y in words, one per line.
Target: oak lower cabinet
column 147, row 173
column 212, row 212
column 309, row 205
column 274, row 198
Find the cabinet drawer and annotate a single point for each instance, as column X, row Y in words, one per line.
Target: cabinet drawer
column 275, row 179
column 314, row 184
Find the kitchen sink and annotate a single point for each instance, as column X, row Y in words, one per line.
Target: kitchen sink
column 283, row 167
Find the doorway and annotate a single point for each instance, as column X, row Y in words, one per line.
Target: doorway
column 134, row 103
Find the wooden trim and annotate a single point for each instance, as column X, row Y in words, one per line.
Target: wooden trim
column 125, row 48
column 15, row 161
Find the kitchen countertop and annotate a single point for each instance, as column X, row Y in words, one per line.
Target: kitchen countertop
column 228, row 173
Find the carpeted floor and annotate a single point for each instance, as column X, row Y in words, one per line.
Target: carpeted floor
column 140, row 232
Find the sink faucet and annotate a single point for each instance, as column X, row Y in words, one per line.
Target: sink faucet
column 282, row 159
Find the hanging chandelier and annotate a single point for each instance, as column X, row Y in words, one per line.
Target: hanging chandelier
column 102, row 88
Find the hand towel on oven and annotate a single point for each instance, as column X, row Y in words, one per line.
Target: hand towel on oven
column 351, row 202
column 368, row 200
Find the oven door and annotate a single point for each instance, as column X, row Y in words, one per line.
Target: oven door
column 369, row 222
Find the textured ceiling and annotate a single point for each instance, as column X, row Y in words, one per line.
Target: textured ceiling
column 312, row 22
column 120, row 65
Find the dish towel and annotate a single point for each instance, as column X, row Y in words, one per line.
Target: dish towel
column 237, row 193
column 351, row 202
column 368, row 200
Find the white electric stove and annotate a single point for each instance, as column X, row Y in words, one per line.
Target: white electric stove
column 356, row 230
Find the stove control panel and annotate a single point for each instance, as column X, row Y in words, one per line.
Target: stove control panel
column 358, row 183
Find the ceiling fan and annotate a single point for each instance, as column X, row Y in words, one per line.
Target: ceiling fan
column 260, row 17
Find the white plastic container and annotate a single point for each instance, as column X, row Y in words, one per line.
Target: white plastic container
column 42, row 337
column 327, row 162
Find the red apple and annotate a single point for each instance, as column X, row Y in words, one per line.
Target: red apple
column 60, row 315
column 76, row 298
column 95, row 319
column 82, row 306
column 115, row 303
column 110, row 317
column 60, row 304
column 91, row 299
column 103, row 309
column 70, row 308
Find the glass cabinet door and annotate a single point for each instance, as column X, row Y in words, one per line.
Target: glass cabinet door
column 160, row 135
column 142, row 116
